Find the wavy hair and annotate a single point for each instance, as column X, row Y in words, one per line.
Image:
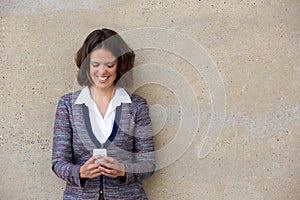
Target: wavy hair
column 110, row 40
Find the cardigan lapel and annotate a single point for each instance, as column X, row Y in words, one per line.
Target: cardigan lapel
column 80, row 128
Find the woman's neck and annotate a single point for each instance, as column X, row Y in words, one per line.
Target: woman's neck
column 98, row 94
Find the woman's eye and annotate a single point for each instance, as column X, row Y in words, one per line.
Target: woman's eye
column 97, row 65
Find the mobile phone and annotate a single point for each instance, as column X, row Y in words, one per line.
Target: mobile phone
column 97, row 152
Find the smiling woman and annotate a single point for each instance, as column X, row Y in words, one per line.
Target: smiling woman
column 103, row 69
column 104, row 39
column 103, row 144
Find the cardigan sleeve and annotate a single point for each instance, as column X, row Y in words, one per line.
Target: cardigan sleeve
column 62, row 150
column 143, row 165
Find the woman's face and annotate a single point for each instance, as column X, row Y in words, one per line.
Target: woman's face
column 103, row 68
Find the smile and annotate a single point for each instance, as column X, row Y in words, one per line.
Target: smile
column 102, row 78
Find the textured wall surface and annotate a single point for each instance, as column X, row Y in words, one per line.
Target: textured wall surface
column 254, row 45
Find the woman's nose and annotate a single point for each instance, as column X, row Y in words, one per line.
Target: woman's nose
column 102, row 69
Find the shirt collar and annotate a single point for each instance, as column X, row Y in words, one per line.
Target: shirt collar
column 121, row 96
column 84, row 97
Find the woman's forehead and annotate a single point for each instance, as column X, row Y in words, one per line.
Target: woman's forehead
column 102, row 55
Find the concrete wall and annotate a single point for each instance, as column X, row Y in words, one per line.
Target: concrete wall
column 249, row 67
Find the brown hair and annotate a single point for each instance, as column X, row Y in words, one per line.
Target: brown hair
column 110, row 40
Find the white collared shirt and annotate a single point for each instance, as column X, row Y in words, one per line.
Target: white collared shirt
column 102, row 126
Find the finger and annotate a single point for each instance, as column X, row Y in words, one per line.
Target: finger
column 106, row 165
column 107, row 170
column 110, row 162
column 95, row 175
column 109, row 159
column 93, row 166
column 110, row 173
column 90, row 173
column 99, row 160
column 91, row 160
column 95, row 171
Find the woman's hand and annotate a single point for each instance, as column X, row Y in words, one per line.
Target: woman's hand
column 111, row 167
column 90, row 169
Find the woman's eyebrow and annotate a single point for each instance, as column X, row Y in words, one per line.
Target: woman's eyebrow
column 106, row 64
column 111, row 62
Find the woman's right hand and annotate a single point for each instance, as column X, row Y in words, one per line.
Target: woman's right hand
column 90, row 169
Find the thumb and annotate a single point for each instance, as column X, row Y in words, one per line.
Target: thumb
column 91, row 160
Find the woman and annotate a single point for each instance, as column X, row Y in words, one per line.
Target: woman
column 104, row 118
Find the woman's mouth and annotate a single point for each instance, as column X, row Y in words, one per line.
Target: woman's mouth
column 103, row 78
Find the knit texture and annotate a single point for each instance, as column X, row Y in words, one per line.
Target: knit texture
column 133, row 146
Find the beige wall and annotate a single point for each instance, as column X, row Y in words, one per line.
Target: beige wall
column 253, row 46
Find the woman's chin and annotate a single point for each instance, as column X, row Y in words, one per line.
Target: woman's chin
column 104, row 86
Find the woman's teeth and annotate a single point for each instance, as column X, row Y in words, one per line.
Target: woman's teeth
column 103, row 78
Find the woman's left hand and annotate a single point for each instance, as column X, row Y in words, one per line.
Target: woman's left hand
column 111, row 167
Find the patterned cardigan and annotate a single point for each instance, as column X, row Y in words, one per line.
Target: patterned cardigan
column 132, row 145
